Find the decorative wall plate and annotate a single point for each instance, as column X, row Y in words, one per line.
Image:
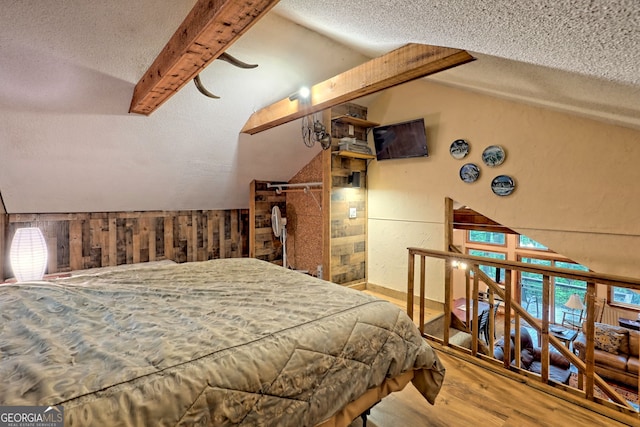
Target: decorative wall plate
column 503, row 185
column 493, row 155
column 469, row 172
column 459, row 149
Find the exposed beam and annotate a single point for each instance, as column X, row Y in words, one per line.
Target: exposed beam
column 207, row 31
column 399, row 66
column 468, row 219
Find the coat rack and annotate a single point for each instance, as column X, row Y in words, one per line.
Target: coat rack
column 305, row 187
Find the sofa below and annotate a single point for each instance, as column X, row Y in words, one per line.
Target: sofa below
column 559, row 366
column 615, row 354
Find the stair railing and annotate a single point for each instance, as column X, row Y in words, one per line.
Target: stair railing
column 586, row 369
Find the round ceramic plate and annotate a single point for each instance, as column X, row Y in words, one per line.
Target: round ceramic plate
column 459, row 149
column 469, row 172
column 493, row 155
column 503, row 185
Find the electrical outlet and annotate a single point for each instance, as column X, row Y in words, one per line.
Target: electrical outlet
column 351, row 130
column 352, row 212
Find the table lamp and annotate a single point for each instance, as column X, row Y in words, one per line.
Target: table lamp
column 574, row 302
column 28, row 254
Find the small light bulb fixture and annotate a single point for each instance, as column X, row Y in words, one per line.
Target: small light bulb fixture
column 458, row 265
column 301, row 95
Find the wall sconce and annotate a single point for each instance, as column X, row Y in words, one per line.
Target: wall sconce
column 354, row 179
column 458, row 265
column 28, row 254
column 303, row 95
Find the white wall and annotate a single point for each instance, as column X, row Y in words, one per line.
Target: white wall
column 68, row 143
column 577, row 181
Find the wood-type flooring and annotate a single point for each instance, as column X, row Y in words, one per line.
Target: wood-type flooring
column 474, row 396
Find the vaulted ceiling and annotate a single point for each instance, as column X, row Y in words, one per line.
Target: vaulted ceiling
column 69, row 67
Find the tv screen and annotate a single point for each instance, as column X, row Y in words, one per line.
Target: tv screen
column 401, row 140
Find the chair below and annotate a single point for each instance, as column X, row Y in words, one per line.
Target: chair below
column 572, row 320
column 530, row 296
column 459, row 317
column 483, row 324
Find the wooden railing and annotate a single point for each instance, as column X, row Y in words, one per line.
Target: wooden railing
column 515, row 313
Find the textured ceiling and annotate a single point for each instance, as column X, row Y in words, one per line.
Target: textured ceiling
column 573, row 55
column 69, row 67
column 596, row 38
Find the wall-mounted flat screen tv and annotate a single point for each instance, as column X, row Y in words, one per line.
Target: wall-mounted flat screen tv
column 401, row 140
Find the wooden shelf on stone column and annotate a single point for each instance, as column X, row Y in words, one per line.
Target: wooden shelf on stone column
column 355, row 121
column 354, row 154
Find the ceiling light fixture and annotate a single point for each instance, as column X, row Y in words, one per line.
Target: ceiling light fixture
column 303, row 95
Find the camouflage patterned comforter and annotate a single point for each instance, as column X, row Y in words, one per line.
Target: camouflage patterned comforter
column 222, row 342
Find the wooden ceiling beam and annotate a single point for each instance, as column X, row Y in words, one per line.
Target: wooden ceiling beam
column 399, row 66
column 468, row 219
column 207, row 31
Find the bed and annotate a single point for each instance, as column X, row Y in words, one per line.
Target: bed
column 214, row 343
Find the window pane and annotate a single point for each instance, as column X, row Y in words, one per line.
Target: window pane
column 570, row 283
column 533, row 278
column 488, row 270
column 564, row 288
column 625, row 296
column 486, row 237
column 526, row 242
column 571, row 265
column 531, row 295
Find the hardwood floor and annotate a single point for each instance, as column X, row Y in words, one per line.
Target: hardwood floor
column 428, row 315
column 472, row 396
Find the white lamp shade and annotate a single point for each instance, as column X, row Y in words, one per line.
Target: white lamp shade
column 574, row 302
column 28, row 254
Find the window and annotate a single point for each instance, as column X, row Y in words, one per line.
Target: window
column 531, row 288
column 486, row 269
column 485, row 244
column 624, row 296
column 528, row 243
column 564, row 288
column 486, row 237
column 533, row 279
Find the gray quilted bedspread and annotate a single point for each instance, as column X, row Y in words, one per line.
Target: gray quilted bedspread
column 216, row 343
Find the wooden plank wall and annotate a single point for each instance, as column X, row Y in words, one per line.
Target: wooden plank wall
column 348, row 235
column 78, row 241
column 345, row 260
column 339, row 129
column 262, row 242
